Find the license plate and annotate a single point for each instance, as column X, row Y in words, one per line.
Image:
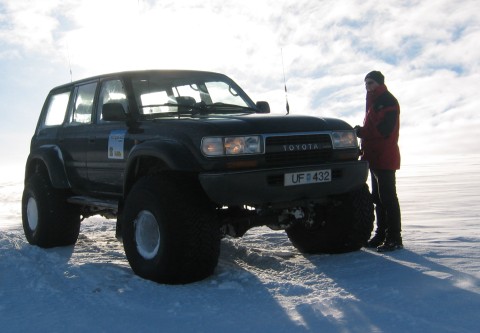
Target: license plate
column 308, row 177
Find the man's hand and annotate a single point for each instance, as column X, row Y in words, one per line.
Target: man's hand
column 358, row 130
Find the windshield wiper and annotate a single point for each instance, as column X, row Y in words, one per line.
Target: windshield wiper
column 190, row 106
column 232, row 107
column 198, row 108
column 182, row 109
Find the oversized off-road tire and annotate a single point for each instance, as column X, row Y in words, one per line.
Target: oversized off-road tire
column 48, row 220
column 168, row 234
column 343, row 227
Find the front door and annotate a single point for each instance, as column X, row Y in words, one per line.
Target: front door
column 109, row 143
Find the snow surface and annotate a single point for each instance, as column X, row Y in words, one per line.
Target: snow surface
column 262, row 284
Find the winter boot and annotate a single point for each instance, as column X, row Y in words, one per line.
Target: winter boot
column 390, row 245
column 376, row 241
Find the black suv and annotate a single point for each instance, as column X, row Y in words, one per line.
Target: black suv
column 182, row 159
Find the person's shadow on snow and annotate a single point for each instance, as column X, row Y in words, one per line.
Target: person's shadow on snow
column 398, row 291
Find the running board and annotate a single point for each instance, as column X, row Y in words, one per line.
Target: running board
column 93, row 202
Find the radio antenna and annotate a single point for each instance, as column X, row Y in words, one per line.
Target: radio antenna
column 285, row 85
column 69, row 63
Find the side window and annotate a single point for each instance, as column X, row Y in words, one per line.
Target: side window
column 57, row 107
column 111, row 92
column 83, row 107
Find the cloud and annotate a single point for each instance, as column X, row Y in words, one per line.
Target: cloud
column 426, row 49
column 30, row 24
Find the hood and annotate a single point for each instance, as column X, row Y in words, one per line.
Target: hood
column 262, row 124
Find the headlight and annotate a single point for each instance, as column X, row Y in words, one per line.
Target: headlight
column 344, row 139
column 212, row 146
column 231, row 145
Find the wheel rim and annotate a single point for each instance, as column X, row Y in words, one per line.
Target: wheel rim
column 147, row 234
column 32, row 214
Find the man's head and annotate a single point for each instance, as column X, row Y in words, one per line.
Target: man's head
column 373, row 80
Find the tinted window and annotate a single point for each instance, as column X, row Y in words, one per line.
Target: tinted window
column 111, row 92
column 82, row 112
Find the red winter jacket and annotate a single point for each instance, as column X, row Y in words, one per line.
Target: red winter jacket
column 380, row 130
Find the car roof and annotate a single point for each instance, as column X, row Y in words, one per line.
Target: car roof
column 176, row 73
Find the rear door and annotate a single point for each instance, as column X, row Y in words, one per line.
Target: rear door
column 73, row 137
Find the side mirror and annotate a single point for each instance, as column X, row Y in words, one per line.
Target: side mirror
column 263, row 107
column 113, row 112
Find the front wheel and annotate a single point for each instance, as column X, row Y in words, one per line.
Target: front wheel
column 48, row 220
column 344, row 226
column 168, row 234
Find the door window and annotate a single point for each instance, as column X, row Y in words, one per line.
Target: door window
column 83, row 107
column 111, row 92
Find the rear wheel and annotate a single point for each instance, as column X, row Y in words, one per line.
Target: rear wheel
column 168, row 234
column 48, row 220
column 343, row 227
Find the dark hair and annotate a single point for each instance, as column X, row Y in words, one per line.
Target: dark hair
column 376, row 76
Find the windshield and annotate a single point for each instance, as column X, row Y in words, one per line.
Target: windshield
column 161, row 96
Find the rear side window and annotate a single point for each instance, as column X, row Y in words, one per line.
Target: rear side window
column 57, row 107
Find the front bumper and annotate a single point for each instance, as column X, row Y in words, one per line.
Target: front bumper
column 264, row 187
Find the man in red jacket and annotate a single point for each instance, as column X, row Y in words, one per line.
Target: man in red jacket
column 379, row 136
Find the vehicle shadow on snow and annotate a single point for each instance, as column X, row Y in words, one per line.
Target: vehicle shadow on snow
column 94, row 271
column 396, row 292
column 263, row 283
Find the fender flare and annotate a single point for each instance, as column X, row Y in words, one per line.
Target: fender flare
column 52, row 158
column 173, row 155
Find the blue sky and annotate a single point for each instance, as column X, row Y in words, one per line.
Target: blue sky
column 427, row 50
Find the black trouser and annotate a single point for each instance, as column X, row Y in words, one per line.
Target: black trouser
column 387, row 208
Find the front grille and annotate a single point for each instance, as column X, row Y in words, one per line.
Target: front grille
column 297, row 149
